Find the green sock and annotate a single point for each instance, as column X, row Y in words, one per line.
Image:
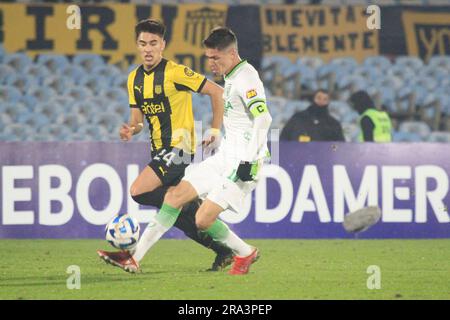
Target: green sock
column 167, row 215
column 218, row 230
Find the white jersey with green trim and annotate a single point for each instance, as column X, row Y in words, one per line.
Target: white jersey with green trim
column 243, row 91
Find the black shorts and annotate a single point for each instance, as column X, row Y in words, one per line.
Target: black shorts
column 169, row 165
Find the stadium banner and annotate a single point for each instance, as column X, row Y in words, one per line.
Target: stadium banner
column 72, row 189
column 108, row 30
column 320, row 31
column 427, row 33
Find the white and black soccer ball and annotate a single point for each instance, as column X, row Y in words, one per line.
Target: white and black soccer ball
column 122, row 232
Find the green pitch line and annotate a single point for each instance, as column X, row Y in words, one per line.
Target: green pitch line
column 288, row 269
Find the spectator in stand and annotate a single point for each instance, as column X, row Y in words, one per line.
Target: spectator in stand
column 314, row 123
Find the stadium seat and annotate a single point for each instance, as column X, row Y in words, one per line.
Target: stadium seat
column 18, row 61
column 439, row 136
column 95, row 83
column 59, row 85
column 9, row 94
column 406, row 137
column 60, row 132
column 48, row 109
column 78, row 93
column 53, row 62
column 39, row 73
column 34, row 120
column 74, row 73
column 414, row 63
column 110, row 122
column 351, row 132
column 91, row 131
column 72, row 121
column 41, row 93
column 21, row 82
column 440, row 62
column 418, row 127
column 112, row 94
column 311, row 62
column 88, row 61
column 379, row 62
column 20, row 132
column 6, row 72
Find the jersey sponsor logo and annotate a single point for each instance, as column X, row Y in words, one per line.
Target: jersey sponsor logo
column 153, row 108
column 251, row 93
column 188, row 72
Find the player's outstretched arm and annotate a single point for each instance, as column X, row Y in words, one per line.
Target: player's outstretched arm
column 134, row 127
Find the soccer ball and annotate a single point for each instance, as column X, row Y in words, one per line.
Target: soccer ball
column 122, row 232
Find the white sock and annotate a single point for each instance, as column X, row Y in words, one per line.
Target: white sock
column 151, row 235
column 236, row 244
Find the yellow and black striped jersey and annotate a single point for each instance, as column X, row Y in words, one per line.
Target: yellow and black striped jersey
column 164, row 96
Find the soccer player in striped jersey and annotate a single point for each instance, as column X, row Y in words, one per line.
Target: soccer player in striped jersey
column 231, row 174
column 160, row 91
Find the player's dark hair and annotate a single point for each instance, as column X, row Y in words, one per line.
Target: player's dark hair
column 150, row 26
column 220, row 38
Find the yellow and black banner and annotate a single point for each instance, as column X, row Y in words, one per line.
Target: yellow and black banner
column 427, row 33
column 321, row 31
column 108, row 30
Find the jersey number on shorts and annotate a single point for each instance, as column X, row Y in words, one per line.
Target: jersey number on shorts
column 166, row 157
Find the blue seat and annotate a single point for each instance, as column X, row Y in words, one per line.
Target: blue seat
column 38, row 73
column 6, row 72
column 439, row 136
column 49, row 109
column 418, row 127
column 60, row 85
column 34, row 120
column 41, row 94
column 311, row 62
column 86, row 108
column 72, row 121
column 109, row 72
column 57, row 130
column 74, row 74
column 22, row 82
column 95, row 83
column 53, row 62
column 18, row 61
column 440, row 62
column 92, row 132
column 111, row 122
column 414, row 63
column 406, row 137
column 78, row 93
column 18, row 131
column 112, row 94
column 10, row 94
column 88, row 61
column 379, row 62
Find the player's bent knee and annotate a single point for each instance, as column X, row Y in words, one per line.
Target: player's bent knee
column 202, row 223
column 175, row 198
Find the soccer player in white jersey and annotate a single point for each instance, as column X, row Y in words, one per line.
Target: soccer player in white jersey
column 227, row 177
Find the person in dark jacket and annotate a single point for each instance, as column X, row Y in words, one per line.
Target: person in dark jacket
column 375, row 125
column 314, row 123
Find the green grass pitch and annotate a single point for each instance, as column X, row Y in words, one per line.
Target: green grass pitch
column 287, row 269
